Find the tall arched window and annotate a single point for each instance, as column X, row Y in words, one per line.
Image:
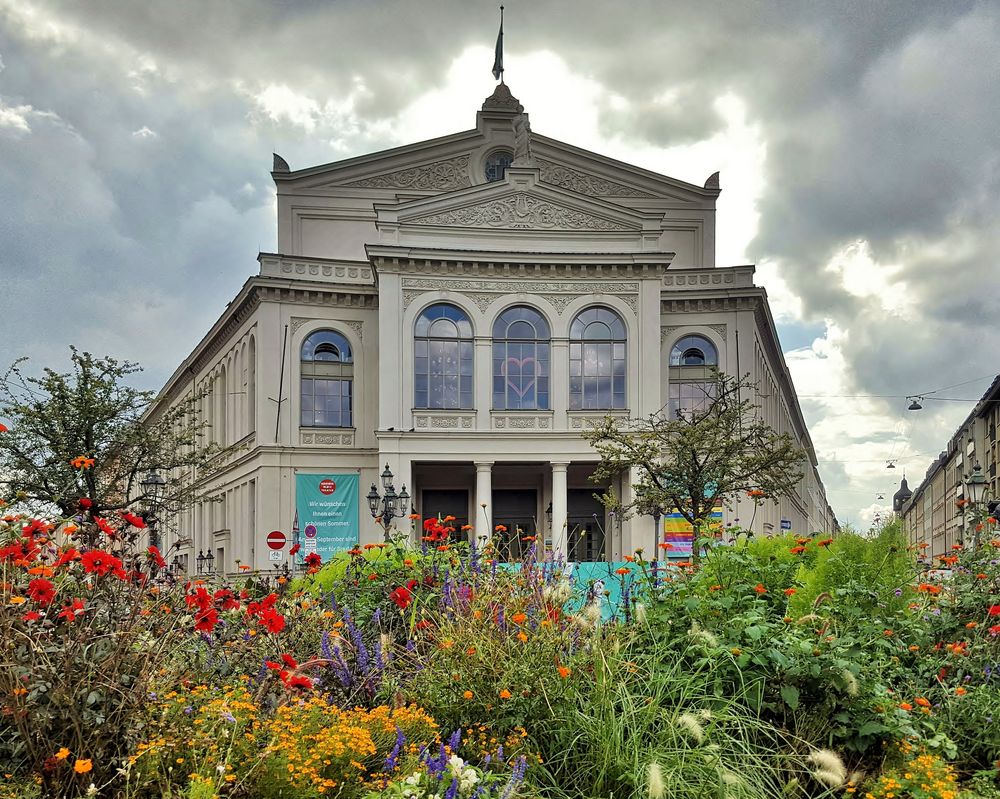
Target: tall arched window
column 327, row 376
column 442, row 363
column 692, row 388
column 694, row 351
column 597, row 360
column 520, row 360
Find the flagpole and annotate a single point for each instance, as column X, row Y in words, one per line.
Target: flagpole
column 498, row 53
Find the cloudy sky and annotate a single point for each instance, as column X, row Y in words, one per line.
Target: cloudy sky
column 859, row 146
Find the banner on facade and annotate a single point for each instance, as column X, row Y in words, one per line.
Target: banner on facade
column 326, row 509
column 679, row 534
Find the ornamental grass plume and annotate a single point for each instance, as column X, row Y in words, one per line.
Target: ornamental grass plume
column 640, row 613
column 690, row 726
column 696, row 633
column 828, row 768
column 656, row 789
column 850, row 682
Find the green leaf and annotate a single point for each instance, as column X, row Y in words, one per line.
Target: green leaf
column 791, row 696
column 871, row 728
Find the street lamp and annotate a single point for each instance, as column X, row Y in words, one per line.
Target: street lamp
column 389, row 505
column 205, row 563
column 153, row 489
column 975, row 485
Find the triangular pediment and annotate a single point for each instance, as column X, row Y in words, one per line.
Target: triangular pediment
column 524, row 207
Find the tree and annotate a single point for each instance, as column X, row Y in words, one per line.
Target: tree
column 698, row 458
column 87, row 434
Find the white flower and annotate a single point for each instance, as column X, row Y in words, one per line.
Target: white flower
column 92, row 790
column 456, row 763
column 654, row 781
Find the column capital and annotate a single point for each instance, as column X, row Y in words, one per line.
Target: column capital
column 559, row 466
column 484, row 466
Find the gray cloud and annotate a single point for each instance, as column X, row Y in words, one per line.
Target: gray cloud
column 138, row 196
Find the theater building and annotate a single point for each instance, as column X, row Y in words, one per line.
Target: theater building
column 460, row 310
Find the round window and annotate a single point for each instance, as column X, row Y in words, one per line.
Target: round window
column 496, row 165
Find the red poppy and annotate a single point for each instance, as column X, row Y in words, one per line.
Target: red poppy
column 42, row 591
column 205, row 620
column 294, row 549
column 72, row 610
column 402, row 597
column 272, row 621
column 131, row 518
column 154, row 553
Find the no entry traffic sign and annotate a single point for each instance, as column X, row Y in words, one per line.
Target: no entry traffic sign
column 276, row 539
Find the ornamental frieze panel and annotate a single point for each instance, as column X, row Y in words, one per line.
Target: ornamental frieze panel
column 452, row 173
column 484, row 293
column 521, row 211
column 521, row 422
column 327, row 439
column 584, row 183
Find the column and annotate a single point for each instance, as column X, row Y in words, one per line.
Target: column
column 559, row 508
column 482, row 522
column 482, row 386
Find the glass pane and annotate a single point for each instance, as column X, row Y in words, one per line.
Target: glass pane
column 420, row 349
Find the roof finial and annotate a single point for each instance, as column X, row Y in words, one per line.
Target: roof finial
column 498, row 53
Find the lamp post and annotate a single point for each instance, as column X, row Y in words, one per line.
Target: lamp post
column 153, row 489
column 388, row 505
column 205, row 563
column 975, row 486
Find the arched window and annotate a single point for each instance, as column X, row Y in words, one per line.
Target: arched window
column 694, row 351
column 520, row 360
column 442, row 363
column 327, row 376
column 692, row 388
column 597, row 360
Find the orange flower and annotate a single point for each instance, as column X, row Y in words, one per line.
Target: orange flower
column 522, row 637
column 797, row 550
column 245, row 567
column 414, row 515
column 914, row 648
column 62, row 754
column 470, row 651
column 518, row 618
column 505, row 694
column 789, row 591
column 888, row 633
column 825, row 542
column 565, row 671
column 407, row 562
column 629, row 558
column 621, row 570
column 467, row 527
column 760, row 589
column 500, row 528
column 82, row 766
column 972, row 625
column 82, row 462
column 755, row 492
column 467, row 694
column 905, row 706
column 960, row 691
column 922, row 701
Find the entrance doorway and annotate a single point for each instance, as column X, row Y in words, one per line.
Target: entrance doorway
column 438, row 503
column 514, row 509
column 587, row 541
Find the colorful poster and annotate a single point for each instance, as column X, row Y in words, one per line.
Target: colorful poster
column 326, row 509
column 679, row 534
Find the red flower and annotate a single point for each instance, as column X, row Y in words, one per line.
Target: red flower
column 313, row 559
column 994, row 610
column 226, row 600
column 71, row 611
column 42, row 591
column 131, row 518
column 105, row 527
column 825, row 542
column 200, row 599
column 299, row 682
column 272, row 621
column 86, row 503
column 32, row 615
column 402, row 597
column 205, row 620
column 67, row 556
column 797, row 550
column 294, row 549
column 155, row 555
column 760, row 589
column 995, row 629
column 423, row 624
column 289, row 661
column 3, row 428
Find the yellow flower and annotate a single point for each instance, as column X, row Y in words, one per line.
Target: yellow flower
column 17, row 600
column 62, row 754
column 82, row 766
column 467, row 694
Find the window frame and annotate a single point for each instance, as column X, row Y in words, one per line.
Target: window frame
column 614, row 346
column 504, row 349
column 326, row 373
column 423, row 359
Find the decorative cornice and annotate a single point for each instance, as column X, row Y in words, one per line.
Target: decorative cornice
column 484, row 292
column 521, row 211
column 585, row 183
column 707, row 304
column 304, row 296
column 449, row 174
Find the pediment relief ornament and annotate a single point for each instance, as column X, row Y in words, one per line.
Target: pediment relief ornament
column 521, row 210
column 452, row 173
column 583, row 183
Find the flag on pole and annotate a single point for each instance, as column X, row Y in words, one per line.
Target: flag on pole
column 498, row 56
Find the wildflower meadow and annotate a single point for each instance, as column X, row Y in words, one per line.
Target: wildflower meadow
column 793, row 666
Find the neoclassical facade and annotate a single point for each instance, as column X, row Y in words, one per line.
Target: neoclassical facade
column 460, row 310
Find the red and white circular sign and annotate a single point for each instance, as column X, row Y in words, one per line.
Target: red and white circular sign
column 276, row 539
column 327, row 486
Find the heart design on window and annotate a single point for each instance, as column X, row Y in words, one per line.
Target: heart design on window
column 524, row 383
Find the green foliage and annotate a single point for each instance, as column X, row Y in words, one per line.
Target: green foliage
column 92, row 412
column 698, row 459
